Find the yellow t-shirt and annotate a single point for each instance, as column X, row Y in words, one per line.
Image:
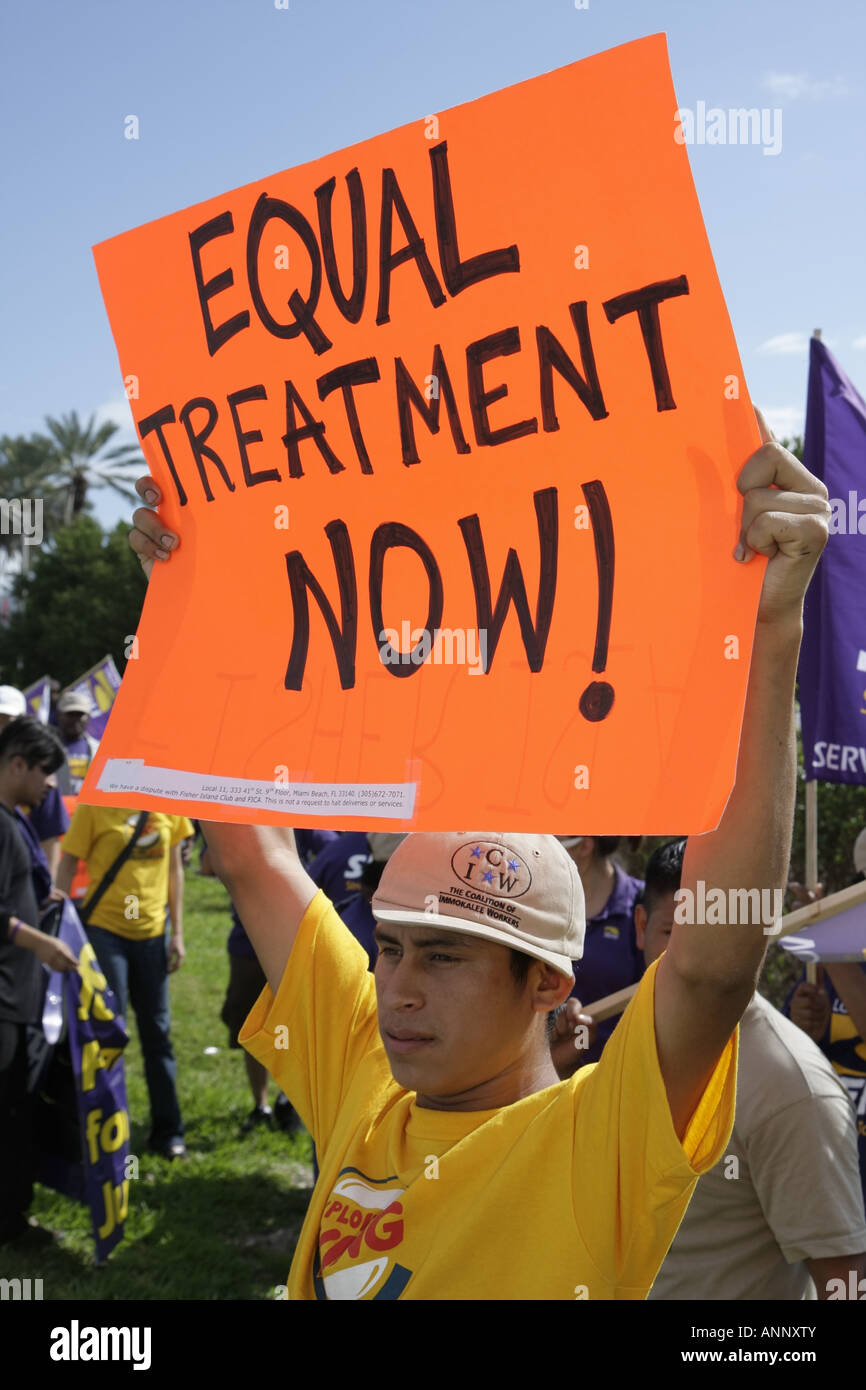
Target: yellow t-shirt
column 574, row 1192
column 134, row 905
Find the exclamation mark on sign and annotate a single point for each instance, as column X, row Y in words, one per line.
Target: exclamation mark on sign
column 596, row 701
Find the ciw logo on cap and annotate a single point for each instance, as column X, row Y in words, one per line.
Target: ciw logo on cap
column 497, row 870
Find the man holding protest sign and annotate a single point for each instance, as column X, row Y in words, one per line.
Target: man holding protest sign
column 425, row 405
column 452, row 1159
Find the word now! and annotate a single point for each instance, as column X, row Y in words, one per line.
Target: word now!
column 597, row 699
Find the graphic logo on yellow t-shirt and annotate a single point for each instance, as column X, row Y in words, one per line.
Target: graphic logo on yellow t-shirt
column 362, row 1224
column 149, row 843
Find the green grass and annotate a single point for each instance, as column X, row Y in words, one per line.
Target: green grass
column 224, row 1224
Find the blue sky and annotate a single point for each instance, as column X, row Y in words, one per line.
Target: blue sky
column 228, row 91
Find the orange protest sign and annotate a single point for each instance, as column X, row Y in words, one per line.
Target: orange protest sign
column 449, row 424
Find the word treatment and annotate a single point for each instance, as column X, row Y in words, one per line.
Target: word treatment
column 198, row 417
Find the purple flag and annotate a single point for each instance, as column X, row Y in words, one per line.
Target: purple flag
column 38, row 697
column 101, row 683
column 832, row 670
column 97, row 1038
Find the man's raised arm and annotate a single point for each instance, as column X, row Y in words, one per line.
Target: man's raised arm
column 268, row 885
column 258, row 864
column 709, row 972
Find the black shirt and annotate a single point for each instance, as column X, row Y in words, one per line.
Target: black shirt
column 20, row 970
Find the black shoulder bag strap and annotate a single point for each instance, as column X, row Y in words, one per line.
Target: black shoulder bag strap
column 86, row 912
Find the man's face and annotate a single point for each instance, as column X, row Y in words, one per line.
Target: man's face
column 33, row 784
column 653, row 932
column 451, row 1015
column 72, row 724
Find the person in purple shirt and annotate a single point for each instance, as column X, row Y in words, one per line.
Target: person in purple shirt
column 355, row 910
column 50, row 823
column 49, row 820
column 337, row 868
column 246, row 982
column 312, row 842
column 73, row 716
column 611, row 959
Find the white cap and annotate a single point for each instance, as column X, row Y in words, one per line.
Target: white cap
column 12, row 701
column 860, row 852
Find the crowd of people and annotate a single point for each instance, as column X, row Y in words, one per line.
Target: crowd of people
column 478, row 1133
column 771, row 1219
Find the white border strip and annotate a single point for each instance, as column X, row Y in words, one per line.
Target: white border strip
column 385, row 800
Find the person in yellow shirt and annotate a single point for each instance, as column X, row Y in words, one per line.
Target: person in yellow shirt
column 454, row 1163
column 128, row 932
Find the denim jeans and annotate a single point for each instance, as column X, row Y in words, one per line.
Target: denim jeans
column 139, row 969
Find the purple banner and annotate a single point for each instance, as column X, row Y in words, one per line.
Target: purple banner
column 101, row 683
column 38, row 697
column 832, row 670
column 97, row 1038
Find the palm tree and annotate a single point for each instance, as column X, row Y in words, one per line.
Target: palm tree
column 77, row 467
column 27, row 468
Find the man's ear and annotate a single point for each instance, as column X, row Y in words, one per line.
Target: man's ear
column 550, row 987
column 640, row 920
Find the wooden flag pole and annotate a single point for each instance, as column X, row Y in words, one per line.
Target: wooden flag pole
column 808, row 916
column 812, row 827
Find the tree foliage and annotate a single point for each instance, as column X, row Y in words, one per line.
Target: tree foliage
column 81, row 599
column 27, row 469
column 83, row 462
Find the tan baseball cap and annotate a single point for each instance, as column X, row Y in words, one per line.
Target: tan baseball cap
column 860, row 852
column 522, row 891
column 75, row 702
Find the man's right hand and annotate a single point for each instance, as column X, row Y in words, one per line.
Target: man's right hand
column 258, row 864
column 150, row 538
column 810, row 1008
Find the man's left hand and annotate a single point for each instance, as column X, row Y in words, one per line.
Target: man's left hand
column 786, row 517
column 574, row 1032
column 176, row 953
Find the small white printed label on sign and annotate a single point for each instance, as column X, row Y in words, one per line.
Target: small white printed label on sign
column 391, row 800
